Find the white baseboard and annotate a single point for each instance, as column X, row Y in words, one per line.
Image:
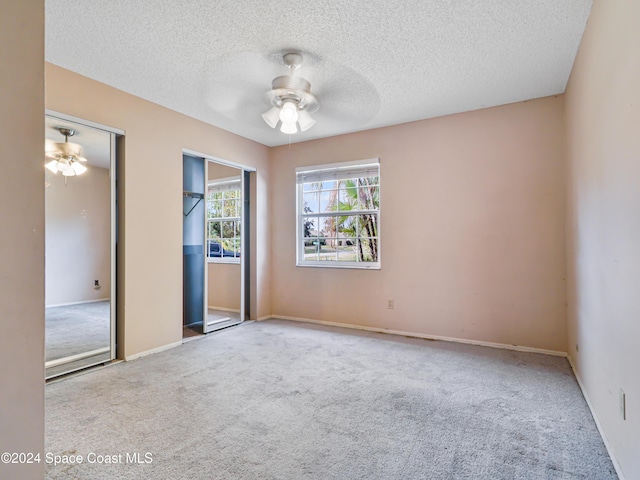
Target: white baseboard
column 266, row 317
column 505, row 346
column 153, row 350
column 607, row 445
column 78, row 303
column 224, row 309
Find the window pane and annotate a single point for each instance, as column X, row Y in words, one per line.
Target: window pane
column 369, row 248
column 237, row 228
column 368, row 225
column 311, row 249
column 330, row 185
column 310, row 257
column 350, row 186
column 329, row 225
column 214, row 196
column 352, row 190
column 365, row 250
column 310, row 187
column 327, row 249
column 214, row 248
column 369, row 198
column 347, row 225
column 328, row 201
column 228, row 229
column 215, row 209
column 346, row 250
column 348, row 199
column 310, row 227
column 342, row 201
column 311, row 202
column 235, row 246
column 214, row 229
column 230, row 209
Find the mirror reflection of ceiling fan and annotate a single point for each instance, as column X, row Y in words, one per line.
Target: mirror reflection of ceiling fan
column 66, row 157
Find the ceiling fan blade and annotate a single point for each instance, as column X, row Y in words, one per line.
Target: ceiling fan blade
column 238, row 78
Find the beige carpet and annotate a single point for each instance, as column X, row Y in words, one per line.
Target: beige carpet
column 282, row 400
column 75, row 329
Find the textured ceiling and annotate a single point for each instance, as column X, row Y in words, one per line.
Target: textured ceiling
column 370, row 63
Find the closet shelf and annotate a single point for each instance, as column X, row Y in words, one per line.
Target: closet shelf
column 192, row 196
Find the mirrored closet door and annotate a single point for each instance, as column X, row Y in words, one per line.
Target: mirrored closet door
column 79, row 245
column 224, row 245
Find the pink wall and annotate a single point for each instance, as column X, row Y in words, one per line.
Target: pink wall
column 77, row 219
column 603, row 222
column 472, row 229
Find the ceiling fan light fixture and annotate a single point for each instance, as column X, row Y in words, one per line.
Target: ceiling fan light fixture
column 78, row 168
column 64, row 166
column 289, row 128
column 305, row 120
column 52, row 166
column 66, row 156
column 272, row 116
column 291, row 99
column 289, row 112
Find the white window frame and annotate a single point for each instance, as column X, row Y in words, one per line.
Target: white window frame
column 222, row 182
column 339, row 171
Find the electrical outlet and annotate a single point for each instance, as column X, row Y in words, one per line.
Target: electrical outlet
column 96, row 285
column 623, row 404
column 390, row 304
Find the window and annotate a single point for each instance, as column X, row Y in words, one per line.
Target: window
column 339, row 215
column 224, row 202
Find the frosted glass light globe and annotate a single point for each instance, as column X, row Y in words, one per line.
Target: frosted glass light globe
column 289, row 113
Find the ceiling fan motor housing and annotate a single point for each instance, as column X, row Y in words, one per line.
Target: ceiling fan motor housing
column 297, row 89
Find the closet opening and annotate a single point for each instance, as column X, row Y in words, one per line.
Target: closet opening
column 216, row 245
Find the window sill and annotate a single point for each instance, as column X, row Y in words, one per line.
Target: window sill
column 352, row 266
column 229, row 261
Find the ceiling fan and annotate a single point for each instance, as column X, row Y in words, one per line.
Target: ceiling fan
column 66, row 156
column 291, row 99
column 252, row 88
